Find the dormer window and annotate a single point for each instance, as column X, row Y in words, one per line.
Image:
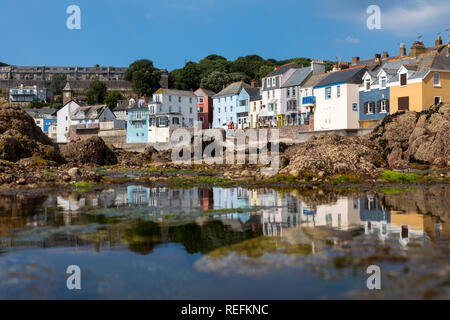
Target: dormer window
column 273, row 82
column 403, row 79
column 268, row 82
column 288, row 92
column 367, row 84
column 383, row 81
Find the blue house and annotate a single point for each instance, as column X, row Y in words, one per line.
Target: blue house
column 374, row 97
column 137, row 123
column 245, row 96
column 225, row 104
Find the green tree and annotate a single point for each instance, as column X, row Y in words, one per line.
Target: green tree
column 215, row 81
column 112, row 97
column 264, row 71
column 238, row 76
column 249, row 65
column 97, row 92
column 143, row 76
column 188, row 78
column 2, row 64
column 57, row 83
column 213, row 63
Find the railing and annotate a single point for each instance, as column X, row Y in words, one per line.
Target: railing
column 309, row 100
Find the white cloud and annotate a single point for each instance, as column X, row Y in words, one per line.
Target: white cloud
column 349, row 39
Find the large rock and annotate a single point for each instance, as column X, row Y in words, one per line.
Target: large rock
column 92, row 151
column 331, row 154
column 422, row 137
column 430, row 141
column 21, row 138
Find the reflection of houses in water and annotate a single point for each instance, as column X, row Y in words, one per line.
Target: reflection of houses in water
column 387, row 223
column 230, row 198
column 343, row 214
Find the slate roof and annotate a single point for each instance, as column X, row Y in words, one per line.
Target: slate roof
column 209, row 93
column 352, row 75
column 442, row 59
column 232, row 89
column 88, row 112
column 298, row 77
column 314, row 80
column 67, row 87
column 254, row 93
column 283, row 69
column 42, row 112
column 175, row 92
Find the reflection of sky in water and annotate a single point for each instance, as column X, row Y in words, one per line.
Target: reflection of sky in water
column 134, row 241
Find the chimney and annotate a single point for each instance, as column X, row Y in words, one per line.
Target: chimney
column 355, row 60
column 402, row 50
column 317, row 66
column 438, row 41
column 377, row 58
column 253, row 83
column 385, row 54
column 417, row 48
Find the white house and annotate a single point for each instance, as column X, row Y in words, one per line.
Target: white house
column 271, row 113
column 171, row 101
column 63, row 120
column 290, row 91
column 337, row 100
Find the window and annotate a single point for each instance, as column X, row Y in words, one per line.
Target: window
column 403, row 79
column 200, row 100
column 219, row 110
column 437, row 100
column 242, row 103
column 170, row 98
column 190, row 100
column 383, row 82
column 225, row 109
column 355, row 107
column 200, row 119
column 273, row 82
column 190, row 110
column 293, row 91
column 338, row 91
column 175, row 121
column 437, row 79
column 268, row 94
column 367, row 84
column 383, row 105
column 328, row 93
column 273, row 93
column 287, row 92
column 179, row 99
column 268, row 82
column 231, row 109
column 369, row 106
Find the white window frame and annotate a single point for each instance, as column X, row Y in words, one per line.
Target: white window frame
column 367, row 84
column 273, row 82
column 338, row 91
column 268, row 82
column 328, row 93
column 440, row 98
column 383, row 78
column 383, row 106
column 438, row 78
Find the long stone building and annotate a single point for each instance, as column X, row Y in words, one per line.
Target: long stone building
column 79, row 77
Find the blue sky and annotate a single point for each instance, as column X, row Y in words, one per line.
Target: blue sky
column 117, row 32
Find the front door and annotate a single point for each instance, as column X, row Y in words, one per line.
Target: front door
column 403, row 103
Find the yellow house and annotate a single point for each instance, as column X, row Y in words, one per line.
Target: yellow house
column 255, row 107
column 422, row 84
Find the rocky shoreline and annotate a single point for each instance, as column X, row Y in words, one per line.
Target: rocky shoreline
column 406, row 148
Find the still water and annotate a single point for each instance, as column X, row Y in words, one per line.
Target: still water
column 139, row 242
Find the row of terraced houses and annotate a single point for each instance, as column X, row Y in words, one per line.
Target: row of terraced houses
column 351, row 96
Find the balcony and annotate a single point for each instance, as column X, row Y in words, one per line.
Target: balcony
column 86, row 126
column 309, row 100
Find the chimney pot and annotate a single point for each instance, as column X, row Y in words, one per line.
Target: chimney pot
column 385, row 54
column 402, row 50
column 253, row 83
